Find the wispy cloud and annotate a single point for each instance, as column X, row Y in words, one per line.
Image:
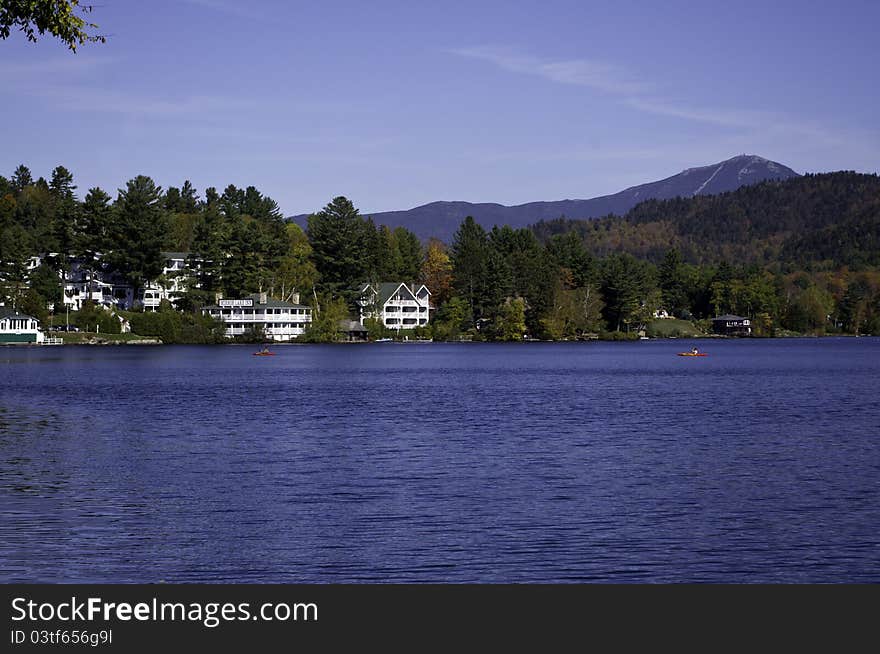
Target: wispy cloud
column 78, row 64
column 97, row 100
column 632, row 91
column 721, row 117
column 595, row 74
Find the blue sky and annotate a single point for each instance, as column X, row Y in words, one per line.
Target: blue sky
column 395, row 104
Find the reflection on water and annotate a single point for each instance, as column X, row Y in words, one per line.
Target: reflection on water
column 544, row 462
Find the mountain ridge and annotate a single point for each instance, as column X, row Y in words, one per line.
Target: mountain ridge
column 441, row 218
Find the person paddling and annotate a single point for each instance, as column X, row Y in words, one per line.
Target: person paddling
column 695, row 350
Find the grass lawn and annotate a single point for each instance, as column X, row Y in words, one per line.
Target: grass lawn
column 672, row 327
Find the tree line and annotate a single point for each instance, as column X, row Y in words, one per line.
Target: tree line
column 557, row 280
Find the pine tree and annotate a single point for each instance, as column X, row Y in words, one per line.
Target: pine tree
column 138, row 232
column 340, row 241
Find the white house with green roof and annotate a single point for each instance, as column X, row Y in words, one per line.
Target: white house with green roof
column 17, row 327
column 396, row 304
column 278, row 320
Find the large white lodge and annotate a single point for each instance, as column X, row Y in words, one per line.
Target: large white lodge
column 258, row 313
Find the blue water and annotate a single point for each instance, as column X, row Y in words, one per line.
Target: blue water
column 579, row 462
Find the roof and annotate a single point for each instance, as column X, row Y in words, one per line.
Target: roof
column 271, row 303
column 6, row 312
column 175, row 255
column 351, row 326
column 387, row 289
column 728, row 317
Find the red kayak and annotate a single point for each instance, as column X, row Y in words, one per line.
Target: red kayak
column 692, row 354
column 264, row 354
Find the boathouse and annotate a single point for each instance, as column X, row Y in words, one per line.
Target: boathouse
column 17, row 327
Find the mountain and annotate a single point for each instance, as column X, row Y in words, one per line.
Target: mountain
column 441, row 219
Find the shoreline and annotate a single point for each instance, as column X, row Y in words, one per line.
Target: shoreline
column 157, row 342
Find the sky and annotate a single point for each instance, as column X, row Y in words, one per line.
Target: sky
column 396, row 104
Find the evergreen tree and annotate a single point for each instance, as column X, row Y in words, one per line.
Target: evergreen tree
column 15, row 249
column 171, row 200
column 469, row 255
column 624, row 286
column 21, row 178
column 189, row 198
column 567, row 251
column 65, row 211
column 207, row 256
column 671, row 276
column 91, row 238
column 231, row 202
column 410, row 251
column 340, row 248
column 138, row 232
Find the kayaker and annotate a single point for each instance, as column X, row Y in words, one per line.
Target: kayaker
column 695, row 350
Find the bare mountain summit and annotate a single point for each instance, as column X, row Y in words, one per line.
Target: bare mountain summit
column 441, row 219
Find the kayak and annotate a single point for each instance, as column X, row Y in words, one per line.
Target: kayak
column 691, row 354
column 264, row 354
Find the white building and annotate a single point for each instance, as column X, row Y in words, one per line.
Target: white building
column 80, row 285
column 171, row 285
column 16, row 327
column 110, row 290
column 278, row 321
column 397, row 305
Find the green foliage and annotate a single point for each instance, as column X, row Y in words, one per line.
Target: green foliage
column 63, row 19
column 94, row 318
column 510, row 322
column 469, row 255
column 15, row 247
column 326, row 317
column 809, row 310
column 295, row 271
column 826, row 220
column 567, row 251
column 340, row 241
column 625, row 283
column 860, row 305
column 44, row 283
column 574, row 312
column 453, row 318
column 376, row 329
column 92, row 236
column 138, row 232
column 176, row 327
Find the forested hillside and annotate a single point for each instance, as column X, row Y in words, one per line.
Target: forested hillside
column 815, row 221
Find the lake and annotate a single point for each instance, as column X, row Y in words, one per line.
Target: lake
column 538, row 462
